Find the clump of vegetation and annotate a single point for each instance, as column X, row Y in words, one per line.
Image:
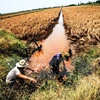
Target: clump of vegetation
column 83, row 65
column 9, row 44
column 86, row 89
column 11, row 49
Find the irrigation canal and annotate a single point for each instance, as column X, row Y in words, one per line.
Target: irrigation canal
column 55, row 43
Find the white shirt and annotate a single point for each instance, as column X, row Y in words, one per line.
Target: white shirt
column 12, row 74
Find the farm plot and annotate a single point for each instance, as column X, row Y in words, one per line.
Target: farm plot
column 36, row 25
column 82, row 25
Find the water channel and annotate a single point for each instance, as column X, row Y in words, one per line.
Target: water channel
column 55, row 43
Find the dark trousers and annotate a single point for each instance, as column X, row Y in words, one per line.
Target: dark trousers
column 55, row 69
column 16, row 83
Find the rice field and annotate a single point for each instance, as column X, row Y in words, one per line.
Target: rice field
column 82, row 25
column 37, row 25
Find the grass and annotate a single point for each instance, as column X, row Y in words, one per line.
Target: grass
column 11, row 49
column 9, row 44
column 86, row 89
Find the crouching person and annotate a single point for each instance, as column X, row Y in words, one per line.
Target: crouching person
column 17, row 76
column 60, row 71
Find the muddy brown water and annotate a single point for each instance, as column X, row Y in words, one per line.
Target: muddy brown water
column 55, row 43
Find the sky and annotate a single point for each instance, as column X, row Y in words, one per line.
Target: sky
column 8, row 6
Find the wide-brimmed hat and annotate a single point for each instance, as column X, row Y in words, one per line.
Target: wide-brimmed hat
column 21, row 63
column 65, row 55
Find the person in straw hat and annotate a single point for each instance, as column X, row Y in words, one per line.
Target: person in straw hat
column 55, row 67
column 17, row 73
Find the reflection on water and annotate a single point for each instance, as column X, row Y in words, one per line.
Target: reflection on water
column 55, row 43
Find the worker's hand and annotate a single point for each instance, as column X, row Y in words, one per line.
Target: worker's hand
column 60, row 70
column 33, row 80
column 65, row 78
